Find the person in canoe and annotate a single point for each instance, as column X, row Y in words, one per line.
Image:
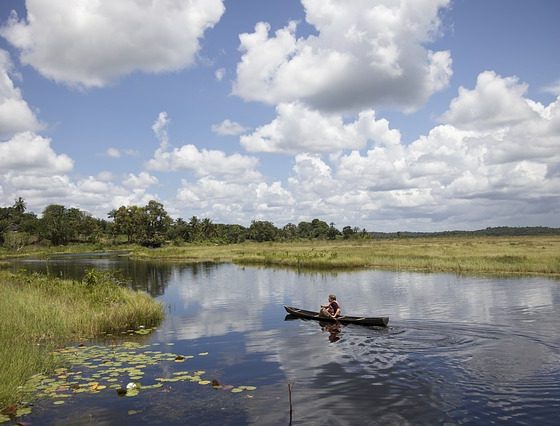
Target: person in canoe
column 331, row 309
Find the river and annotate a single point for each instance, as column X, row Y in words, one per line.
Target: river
column 458, row 349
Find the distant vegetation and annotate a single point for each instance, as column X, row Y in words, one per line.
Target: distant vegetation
column 151, row 226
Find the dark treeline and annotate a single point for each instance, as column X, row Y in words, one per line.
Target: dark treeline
column 151, row 226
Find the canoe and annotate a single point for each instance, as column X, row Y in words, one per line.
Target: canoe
column 344, row 319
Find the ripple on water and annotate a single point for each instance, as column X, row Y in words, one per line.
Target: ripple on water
column 457, row 372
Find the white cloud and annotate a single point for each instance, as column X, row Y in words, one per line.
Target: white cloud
column 505, row 171
column 160, row 128
column 28, row 153
column 298, row 128
column 205, row 162
column 554, row 88
column 220, row 74
column 494, row 102
column 228, row 128
column 228, row 202
column 113, row 153
column 15, row 114
column 92, row 43
column 30, row 168
column 366, row 54
column 142, row 180
column 118, row 153
column 201, row 162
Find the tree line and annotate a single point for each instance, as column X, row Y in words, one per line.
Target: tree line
column 151, row 226
column 148, row 225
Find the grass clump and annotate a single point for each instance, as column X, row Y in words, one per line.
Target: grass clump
column 39, row 313
column 526, row 255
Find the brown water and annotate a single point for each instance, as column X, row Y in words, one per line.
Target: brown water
column 459, row 350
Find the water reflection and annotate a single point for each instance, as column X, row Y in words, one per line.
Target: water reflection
column 457, row 349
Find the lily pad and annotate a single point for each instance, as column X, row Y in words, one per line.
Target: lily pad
column 132, row 392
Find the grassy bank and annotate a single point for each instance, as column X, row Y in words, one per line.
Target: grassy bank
column 495, row 255
column 38, row 313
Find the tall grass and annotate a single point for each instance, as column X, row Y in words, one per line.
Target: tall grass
column 37, row 313
column 495, row 255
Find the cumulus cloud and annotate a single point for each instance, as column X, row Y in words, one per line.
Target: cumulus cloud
column 505, row 171
column 28, row 153
column 90, row 44
column 494, row 102
column 298, row 128
column 228, row 128
column 231, row 202
column 15, row 114
column 142, row 180
column 30, row 168
column 201, row 162
column 365, row 54
column 205, row 162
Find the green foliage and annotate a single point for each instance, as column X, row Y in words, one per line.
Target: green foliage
column 146, row 225
column 38, row 312
column 151, row 226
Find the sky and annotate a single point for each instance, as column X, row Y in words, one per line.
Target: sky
column 389, row 115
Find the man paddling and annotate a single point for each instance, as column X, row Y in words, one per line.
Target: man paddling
column 332, row 309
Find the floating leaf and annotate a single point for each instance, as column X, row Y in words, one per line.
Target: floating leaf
column 58, row 402
column 132, row 392
column 236, row 390
column 23, row 411
column 203, row 353
column 133, row 412
column 204, row 382
column 248, row 388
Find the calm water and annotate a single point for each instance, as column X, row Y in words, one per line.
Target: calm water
column 459, row 350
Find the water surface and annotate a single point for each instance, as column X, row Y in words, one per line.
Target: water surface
column 459, row 350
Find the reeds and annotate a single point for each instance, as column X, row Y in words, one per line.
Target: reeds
column 37, row 313
column 539, row 255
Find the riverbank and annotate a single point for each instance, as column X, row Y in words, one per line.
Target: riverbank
column 39, row 313
column 530, row 255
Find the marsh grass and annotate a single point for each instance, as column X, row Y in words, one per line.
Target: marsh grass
column 486, row 255
column 38, row 313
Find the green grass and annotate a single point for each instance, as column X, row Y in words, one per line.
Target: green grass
column 38, row 313
column 539, row 255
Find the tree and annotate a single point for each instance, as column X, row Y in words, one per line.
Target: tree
column 19, row 206
column 289, row 232
column 53, row 224
column 320, row 229
column 262, row 230
column 196, row 229
column 333, row 232
column 305, row 230
column 124, row 222
column 207, row 228
column 347, row 232
column 156, row 223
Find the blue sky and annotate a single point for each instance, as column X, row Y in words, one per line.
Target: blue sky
column 390, row 115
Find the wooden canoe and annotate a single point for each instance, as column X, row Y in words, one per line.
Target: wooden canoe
column 345, row 319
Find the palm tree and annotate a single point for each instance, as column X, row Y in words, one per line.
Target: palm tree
column 20, row 206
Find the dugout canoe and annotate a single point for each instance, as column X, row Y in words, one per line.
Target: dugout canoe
column 344, row 319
